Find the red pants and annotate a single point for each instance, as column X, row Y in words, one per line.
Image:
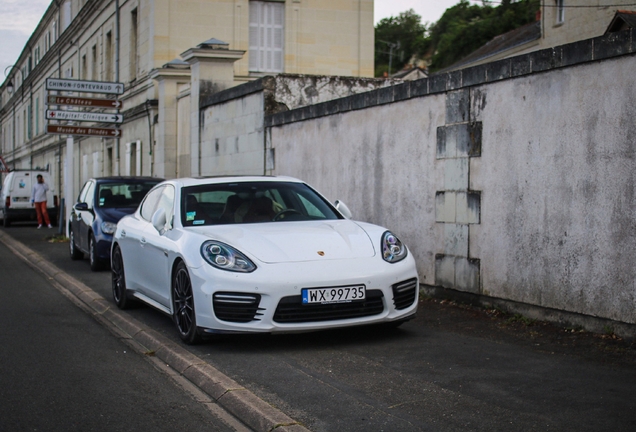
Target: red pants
column 43, row 215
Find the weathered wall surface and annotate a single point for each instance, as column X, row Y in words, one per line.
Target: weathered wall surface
column 232, row 132
column 232, row 137
column 557, row 176
column 513, row 180
column 381, row 168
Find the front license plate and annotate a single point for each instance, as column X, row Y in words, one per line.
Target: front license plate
column 333, row 295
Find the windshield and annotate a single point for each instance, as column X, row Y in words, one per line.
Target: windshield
column 251, row 202
column 118, row 195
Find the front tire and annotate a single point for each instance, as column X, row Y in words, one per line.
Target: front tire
column 183, row 306
column 120, row 293
column 76, row 254
column 96, row 263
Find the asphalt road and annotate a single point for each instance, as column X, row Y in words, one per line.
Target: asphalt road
column 450, row 369
column 63, row 371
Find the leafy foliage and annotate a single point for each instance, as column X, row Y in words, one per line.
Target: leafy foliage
column 408, row 36
column 461, row 30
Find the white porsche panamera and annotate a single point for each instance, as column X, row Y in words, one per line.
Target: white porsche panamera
column 258, row 254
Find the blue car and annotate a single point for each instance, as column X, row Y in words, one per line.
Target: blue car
column 101, row 203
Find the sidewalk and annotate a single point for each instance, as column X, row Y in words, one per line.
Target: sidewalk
column 228, row 394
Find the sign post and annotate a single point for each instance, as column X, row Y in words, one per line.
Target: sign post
column 84, row 102
column 70, row 130
column 82, row 86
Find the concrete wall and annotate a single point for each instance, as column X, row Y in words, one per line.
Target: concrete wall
column 232, row 138
column 513, row 180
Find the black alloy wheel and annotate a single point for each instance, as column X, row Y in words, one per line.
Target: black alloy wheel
column 183, row 306
column 74, row 251
column 120, row 294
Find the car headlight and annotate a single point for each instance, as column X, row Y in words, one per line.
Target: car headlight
column 225, row 257
column 393, row 250
column 109, row 227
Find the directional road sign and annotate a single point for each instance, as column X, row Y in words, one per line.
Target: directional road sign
column 70, row 85
column 85, row 131
column 84, row 116
column 84, row 102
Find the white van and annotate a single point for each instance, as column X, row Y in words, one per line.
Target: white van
column 16, row 197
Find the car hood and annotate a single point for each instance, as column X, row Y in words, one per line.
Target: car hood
column 284, row 242
column 114, row 214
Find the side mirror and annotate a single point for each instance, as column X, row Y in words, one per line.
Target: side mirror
column 343, row 209
column 81, row 206
column 159, row 220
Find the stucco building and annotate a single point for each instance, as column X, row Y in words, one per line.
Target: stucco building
column 198, row 46
column 559, row 22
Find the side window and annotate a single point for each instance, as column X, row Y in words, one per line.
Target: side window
column 90, row 195
column 150, row 203
column 166, row 202
column 82, row 195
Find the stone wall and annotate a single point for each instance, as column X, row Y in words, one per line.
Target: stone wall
column 512, row 180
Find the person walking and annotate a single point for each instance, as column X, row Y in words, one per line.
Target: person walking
column 38, row 199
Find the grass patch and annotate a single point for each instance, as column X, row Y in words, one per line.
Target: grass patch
column 58, row 239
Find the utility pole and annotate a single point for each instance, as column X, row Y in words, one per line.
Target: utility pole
column 392, row 46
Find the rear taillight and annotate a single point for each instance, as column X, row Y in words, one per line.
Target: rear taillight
column 54, row 200
column 7, row 202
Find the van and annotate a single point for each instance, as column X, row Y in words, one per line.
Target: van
column 16, row 197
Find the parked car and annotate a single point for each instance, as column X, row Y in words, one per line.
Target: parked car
column 16, row 197
column 100, row 205
column 258, row 254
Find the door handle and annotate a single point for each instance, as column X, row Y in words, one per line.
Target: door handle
column 123, row 233
column 143, row 241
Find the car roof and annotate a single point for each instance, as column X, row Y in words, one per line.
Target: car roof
column 130, row 179
column 197, row 181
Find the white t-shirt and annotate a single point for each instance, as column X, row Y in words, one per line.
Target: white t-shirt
column 39, row 192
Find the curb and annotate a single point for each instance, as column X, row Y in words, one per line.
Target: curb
column 227, row 393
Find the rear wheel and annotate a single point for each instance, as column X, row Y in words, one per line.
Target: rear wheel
column 96, row 263
column 183, row 306
column 72, row 248
column 120, row 293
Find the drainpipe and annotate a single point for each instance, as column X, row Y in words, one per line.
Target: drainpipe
column 117, row 140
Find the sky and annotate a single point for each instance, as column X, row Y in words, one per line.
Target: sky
column 18, row 19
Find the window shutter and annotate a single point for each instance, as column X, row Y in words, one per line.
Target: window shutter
column 267, row 24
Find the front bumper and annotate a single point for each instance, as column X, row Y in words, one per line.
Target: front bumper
column 268, row 300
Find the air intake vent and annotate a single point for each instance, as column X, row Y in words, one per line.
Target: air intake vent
column 404, row 293
column 291, row 310
column 237, row 307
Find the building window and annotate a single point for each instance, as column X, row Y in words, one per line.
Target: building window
column 109, row 56
column 133, row 158
column 267, row 25
column 37, row 116
column 84, row 67
column 66, row 15
column 94, row 63
column 560, row 11
column 29, row 118
column 134, row 28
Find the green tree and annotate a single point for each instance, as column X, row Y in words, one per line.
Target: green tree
column 397, row 39
column 461, row 30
